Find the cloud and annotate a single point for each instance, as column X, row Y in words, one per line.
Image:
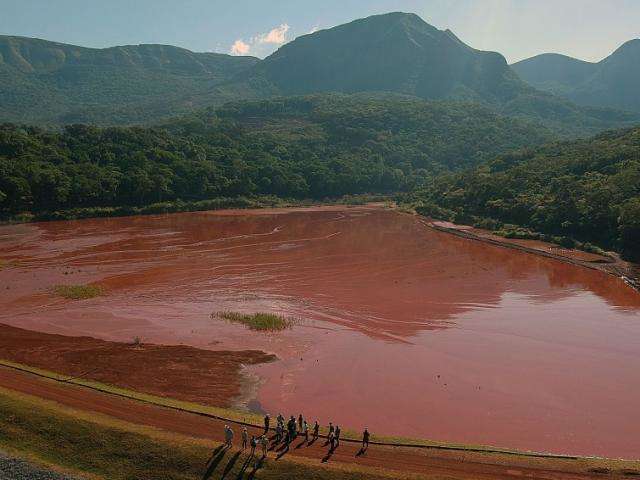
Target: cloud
column 240, row 48
column 276, row 36
column 314, row 29
column 260, row 44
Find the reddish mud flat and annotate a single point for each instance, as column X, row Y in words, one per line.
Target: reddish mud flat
column 180, row 372
column 404, row 329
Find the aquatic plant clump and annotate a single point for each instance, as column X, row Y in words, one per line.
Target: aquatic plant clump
column 78, row 292
column 261, row 321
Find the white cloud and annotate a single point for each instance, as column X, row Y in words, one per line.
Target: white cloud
column 263, row 43
column 276, row 36
column 240, row 48
column 314, row 29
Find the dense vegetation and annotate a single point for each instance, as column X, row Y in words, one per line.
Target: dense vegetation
column 306, row 147
column 588, row 190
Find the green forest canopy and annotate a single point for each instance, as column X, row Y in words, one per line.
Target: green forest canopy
column 304, row 147
column 587, row 189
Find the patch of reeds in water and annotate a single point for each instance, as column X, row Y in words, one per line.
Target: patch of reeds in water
column 266, row 322
column 78, row 292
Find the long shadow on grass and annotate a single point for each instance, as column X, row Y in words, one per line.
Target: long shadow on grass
column 327, row 457
column 216, row 457
column 256, row 467
column 230, row 464
column 244, row 467
column 361, row 452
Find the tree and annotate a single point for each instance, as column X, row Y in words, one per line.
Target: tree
column 629, row 227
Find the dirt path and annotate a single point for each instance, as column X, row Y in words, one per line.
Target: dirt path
column 450, row 464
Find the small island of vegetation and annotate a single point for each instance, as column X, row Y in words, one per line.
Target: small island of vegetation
column 261, row 321
column 78, row 292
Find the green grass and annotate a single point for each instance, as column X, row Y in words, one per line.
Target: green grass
column 92, row 444
column 78, row 292
column 266, row 322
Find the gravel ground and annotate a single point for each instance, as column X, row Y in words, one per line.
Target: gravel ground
column 12, row 468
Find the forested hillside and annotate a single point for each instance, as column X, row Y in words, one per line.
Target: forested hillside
column 588, row 190
column 304, row 147
column 51, row 83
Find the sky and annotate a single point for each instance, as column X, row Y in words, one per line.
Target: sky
column 585, row 29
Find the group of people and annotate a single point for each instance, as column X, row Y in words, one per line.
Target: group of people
column 262, row 440
column 287, row 432
column 292, row 429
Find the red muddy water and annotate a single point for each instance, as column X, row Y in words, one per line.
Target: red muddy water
column 400, row 328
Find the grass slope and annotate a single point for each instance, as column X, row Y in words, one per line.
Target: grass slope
column 102, row 447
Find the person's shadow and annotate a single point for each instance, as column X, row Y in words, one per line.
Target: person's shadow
column 283, row 451
column 244, row 467
column 327, row 457
column 232, row 461
column 213, row 462
column 256, row 467
column 362, row 451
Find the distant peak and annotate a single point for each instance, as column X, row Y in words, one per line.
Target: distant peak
column 396, row 17
column 630, row 46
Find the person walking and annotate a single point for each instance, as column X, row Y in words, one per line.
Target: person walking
column 365, row 440
column 291, row 429
column 265, row 445
column 305, row 431
column 316, row 430
column 332, row 440
column 267, row 422
column 337, row 436
column 300, row 420
column 280, row 419
column 228, row 436
column 279, row 432
column 254, row 444
column 245, row 438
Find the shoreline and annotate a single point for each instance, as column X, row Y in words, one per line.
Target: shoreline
column 612, row 264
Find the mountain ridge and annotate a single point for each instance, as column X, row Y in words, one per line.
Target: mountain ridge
column 50, row 83
column 611, row 82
